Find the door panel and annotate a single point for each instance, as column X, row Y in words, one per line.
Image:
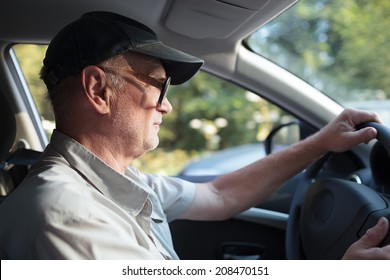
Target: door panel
column 254, row 234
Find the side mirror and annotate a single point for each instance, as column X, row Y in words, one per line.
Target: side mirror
column 286, row 134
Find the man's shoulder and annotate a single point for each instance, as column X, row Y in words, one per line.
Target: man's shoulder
column 47, row 198
column 47, row 188
column 49, row 181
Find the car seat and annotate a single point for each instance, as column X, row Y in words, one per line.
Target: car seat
column 7, row 138
column 14, row 159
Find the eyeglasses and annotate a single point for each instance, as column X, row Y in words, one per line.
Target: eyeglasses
column 162, row 85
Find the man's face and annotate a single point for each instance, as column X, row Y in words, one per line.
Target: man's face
column 137, row 115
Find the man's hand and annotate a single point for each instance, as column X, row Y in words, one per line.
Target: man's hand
column 338, row 136
column 341, row 134
column 366, row 247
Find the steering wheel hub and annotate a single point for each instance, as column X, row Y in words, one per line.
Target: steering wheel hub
column 322, row 206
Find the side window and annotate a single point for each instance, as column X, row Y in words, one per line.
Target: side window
column 214, row 127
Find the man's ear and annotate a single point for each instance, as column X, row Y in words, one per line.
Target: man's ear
column 94, row 84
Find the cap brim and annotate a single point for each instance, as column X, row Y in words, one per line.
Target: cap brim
column 177, row 64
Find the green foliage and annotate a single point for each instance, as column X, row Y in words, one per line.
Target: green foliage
column 225, row 115
column 30, row 58
column 363, row 27
column 339, row 46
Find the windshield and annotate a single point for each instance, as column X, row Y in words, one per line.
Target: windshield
column 338, row 46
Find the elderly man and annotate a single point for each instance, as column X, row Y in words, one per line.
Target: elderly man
column 107, row 77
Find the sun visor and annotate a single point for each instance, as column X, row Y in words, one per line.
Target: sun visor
column 218, row 19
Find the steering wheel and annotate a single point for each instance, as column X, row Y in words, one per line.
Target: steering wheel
column 327, row 215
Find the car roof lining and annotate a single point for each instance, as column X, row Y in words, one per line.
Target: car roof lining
column 184, row 24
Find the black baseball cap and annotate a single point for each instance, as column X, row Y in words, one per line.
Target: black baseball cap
column 97, row 36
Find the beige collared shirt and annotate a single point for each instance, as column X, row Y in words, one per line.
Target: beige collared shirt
column 74, row 206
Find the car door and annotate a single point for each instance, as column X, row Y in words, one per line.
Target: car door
column 259, row 232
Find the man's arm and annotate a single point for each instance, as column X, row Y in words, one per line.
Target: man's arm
column 249, row 186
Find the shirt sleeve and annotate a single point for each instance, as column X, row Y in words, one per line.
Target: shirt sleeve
column 175, row 195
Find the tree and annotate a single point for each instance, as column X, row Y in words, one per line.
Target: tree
column 211, row 113
column 339, row 46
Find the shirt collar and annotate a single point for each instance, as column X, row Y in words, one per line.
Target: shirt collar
column 130, row 194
